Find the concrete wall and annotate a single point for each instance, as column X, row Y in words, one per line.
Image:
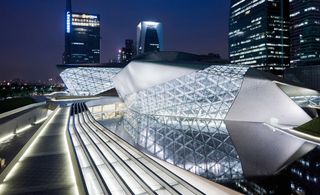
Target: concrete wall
column 21, row 117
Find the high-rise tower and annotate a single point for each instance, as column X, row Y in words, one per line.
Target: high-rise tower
column 82, row 37
column 305, row 32
column 68, row 21
column 259, row 33
column 149, row 37
column 126, row 53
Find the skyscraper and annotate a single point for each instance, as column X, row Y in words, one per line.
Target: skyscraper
column 82, row 37
column 259, row 33
column 305, row 32
column 126, row 53
column 149, row 37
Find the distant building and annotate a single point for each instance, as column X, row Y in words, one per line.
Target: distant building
column 89, row 79
column 308, row 76
column 305, row 174
column 149, row 37
column 82, row 37
column 126, row 53
column 258, row 33
column 305, row 32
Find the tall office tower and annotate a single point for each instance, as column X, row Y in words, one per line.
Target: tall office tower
column 259, row 33
column 127, row 52
column 82, row 37
column 305, row 32
column 149, row 37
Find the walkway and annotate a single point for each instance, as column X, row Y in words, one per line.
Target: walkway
column 110, row 165
column 44, row 167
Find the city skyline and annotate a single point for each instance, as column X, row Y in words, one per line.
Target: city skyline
column 33, row 40
column 259, row 34
column 160, row 97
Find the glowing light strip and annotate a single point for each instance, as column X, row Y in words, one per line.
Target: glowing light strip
column 70, row 168
column 93, row 185
column 75, row 99
column 41, row 120
column 299, row 135
column 68, row 22
column 15, row 167
column 21, row 130
column 6, row 137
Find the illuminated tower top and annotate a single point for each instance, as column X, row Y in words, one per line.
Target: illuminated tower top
column 82, row 37
column 149, row 37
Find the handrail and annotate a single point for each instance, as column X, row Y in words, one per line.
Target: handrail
column 15, row 111
column 143, row 166
column 97, row 173
column 73, row 155
column 109, row 165
column 15, row 160
column 139, row 164
column 177, row 178
column 123, row 163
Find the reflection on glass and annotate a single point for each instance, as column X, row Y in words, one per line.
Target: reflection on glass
column 207, row 93
column 201, row 146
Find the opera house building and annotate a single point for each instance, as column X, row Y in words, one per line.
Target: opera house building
column 231, row 119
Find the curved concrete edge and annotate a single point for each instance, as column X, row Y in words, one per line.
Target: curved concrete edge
column 142, row 75
column 15, row 111
column 103, row 101
column 292, row 90
column 14, row 161
column 204, row 185
column 264, row 149
column 261, row 100
column 75, row 165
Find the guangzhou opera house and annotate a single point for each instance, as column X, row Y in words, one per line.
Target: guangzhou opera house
column 90, row 79
column 216, row 120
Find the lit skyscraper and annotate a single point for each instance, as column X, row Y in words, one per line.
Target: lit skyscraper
column 149, row 37
column 126, row 53
column 259, row 33
column 305, row 32
column 82, row 37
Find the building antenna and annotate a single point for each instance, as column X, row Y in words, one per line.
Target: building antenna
column 68, row 5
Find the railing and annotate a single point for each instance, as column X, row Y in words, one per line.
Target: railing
column 115, row 165
column 24, row 108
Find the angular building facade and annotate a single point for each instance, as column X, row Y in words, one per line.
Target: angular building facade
column 305, row 32
column 199, row 116
column 82, row 37
column 149, row 37
column 226, row 105
column 259, row 33
column 88, row 80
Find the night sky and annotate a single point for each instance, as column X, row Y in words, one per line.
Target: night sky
column 32, row 32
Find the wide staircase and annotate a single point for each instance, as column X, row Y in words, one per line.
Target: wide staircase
column 110, row 165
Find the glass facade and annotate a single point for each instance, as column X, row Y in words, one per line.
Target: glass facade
column 305, row 174
column 181, row 121
column 259, row 33
column 109, row 165
column 307, row 101
column 127, row 52
column 88, row 81
column 85, row 39
column 82, row 38
column 149, row 37
column 305, row 32
column 306, row 75
column 207, row 93
column 203, row 147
